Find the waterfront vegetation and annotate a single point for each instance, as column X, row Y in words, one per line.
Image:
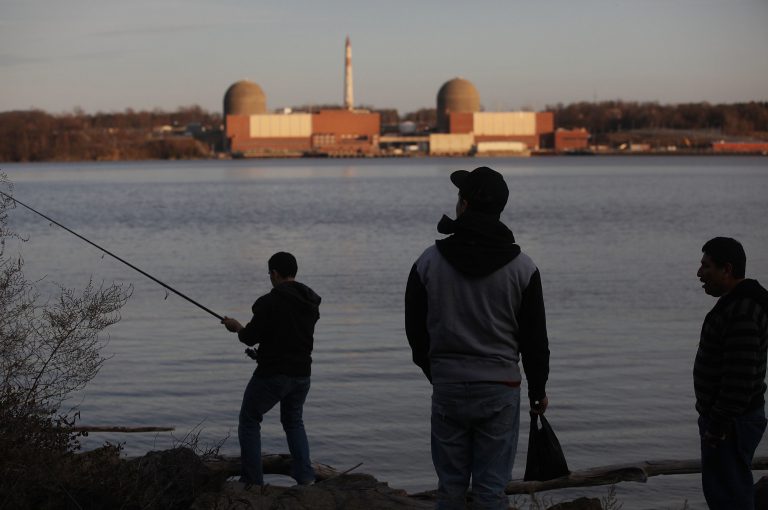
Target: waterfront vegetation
column 51, row 347
column 34, row 135
column 193, row 133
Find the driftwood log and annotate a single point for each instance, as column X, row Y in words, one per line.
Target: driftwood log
column 280, row 464
column 609, row 475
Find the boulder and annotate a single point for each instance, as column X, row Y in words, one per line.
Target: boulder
column 169, row 479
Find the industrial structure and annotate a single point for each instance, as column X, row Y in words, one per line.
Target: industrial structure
column 462, row 128
column 467, row 130
column 251, row 131
column 349, row 95
column 752, row 147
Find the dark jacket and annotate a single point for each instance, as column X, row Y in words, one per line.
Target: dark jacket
column 474, row 305
column 729, row 371
column 283, row 325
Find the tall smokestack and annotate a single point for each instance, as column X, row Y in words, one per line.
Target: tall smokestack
column 349, row 98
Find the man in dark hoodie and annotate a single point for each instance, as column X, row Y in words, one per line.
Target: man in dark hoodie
column 283, row 325
column 729, row 375
column 473, row 307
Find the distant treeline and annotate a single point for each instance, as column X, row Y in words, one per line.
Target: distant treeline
column 192, row 132
column 616, row 117
column 607, row 119
column 35, row 135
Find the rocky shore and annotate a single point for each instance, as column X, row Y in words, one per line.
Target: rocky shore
column 179, row 479
column 344, row 492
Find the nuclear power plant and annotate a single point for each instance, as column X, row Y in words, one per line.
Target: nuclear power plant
column 462, row 128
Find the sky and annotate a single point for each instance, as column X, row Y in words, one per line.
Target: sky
column 110, row 55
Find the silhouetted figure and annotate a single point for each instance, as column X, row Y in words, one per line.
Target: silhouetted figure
column 729, row 375
column 473, row 306
column 283, row 325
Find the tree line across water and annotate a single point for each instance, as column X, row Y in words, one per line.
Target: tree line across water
column 35, row 135
column 192, row 132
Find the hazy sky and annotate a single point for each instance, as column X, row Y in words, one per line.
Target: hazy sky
column 108, row 55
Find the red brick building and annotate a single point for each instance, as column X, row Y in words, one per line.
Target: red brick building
column 329, row 132
column 570, row 140
column 740, row 147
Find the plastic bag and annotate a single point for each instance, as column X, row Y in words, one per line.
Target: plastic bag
column 545, row 456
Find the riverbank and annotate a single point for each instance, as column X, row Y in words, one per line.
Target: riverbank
column 349, row 492
column 178, row 479
column 335, row 490
column 165, row 154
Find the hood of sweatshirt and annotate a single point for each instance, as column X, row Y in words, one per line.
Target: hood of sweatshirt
column 301, row 295
column 748, row 288
column 478, row 244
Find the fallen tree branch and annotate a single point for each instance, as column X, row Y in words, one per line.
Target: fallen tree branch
column 280, row 464
column 128, row 430
column 609, row 475
column 346, row 471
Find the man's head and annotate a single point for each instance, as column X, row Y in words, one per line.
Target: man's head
column 481, row 190
column 723, row 265
column 282, row 266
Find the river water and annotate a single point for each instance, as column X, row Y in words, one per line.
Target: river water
column 617, row 240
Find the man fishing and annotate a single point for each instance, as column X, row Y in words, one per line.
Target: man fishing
column 283, row 325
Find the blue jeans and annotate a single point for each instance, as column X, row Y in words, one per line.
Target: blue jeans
column 474, row 436
column 726, row 471
column 261, row 395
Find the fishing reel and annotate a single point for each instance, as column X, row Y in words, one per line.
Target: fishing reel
column 251, row 353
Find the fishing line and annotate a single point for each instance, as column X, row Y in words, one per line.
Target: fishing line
column 115, row 256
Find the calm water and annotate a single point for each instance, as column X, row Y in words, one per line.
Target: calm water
column 617, row 241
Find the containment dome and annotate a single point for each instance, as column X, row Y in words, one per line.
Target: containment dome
column 455, row 96
column 244, row 98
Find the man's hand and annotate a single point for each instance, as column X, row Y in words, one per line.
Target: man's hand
column 231, row 324
column 539, row 406
column 713, row 440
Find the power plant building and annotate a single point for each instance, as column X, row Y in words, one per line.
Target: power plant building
column 455, row 96
column 269, row 134
column 501, row 132
column 462, row 128
column 346, row 132
column 251, row 131
column 328, row 132
column 490, row 133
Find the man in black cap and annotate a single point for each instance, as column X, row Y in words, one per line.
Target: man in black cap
column 473, row 307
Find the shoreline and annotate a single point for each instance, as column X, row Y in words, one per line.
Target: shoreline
column 540, row 154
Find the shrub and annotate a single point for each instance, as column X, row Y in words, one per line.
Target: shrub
column 48, row 349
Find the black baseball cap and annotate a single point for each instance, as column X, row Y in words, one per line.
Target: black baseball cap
column 483, row 188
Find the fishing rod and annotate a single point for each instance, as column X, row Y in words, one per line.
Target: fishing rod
column 115, row 256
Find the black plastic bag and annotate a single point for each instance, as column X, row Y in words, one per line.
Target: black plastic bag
column 545, row 456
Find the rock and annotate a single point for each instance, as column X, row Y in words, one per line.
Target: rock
column 170, row 479
column 347, row 492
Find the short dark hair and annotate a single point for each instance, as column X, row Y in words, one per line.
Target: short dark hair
column 284, row 263
column 726, row 250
